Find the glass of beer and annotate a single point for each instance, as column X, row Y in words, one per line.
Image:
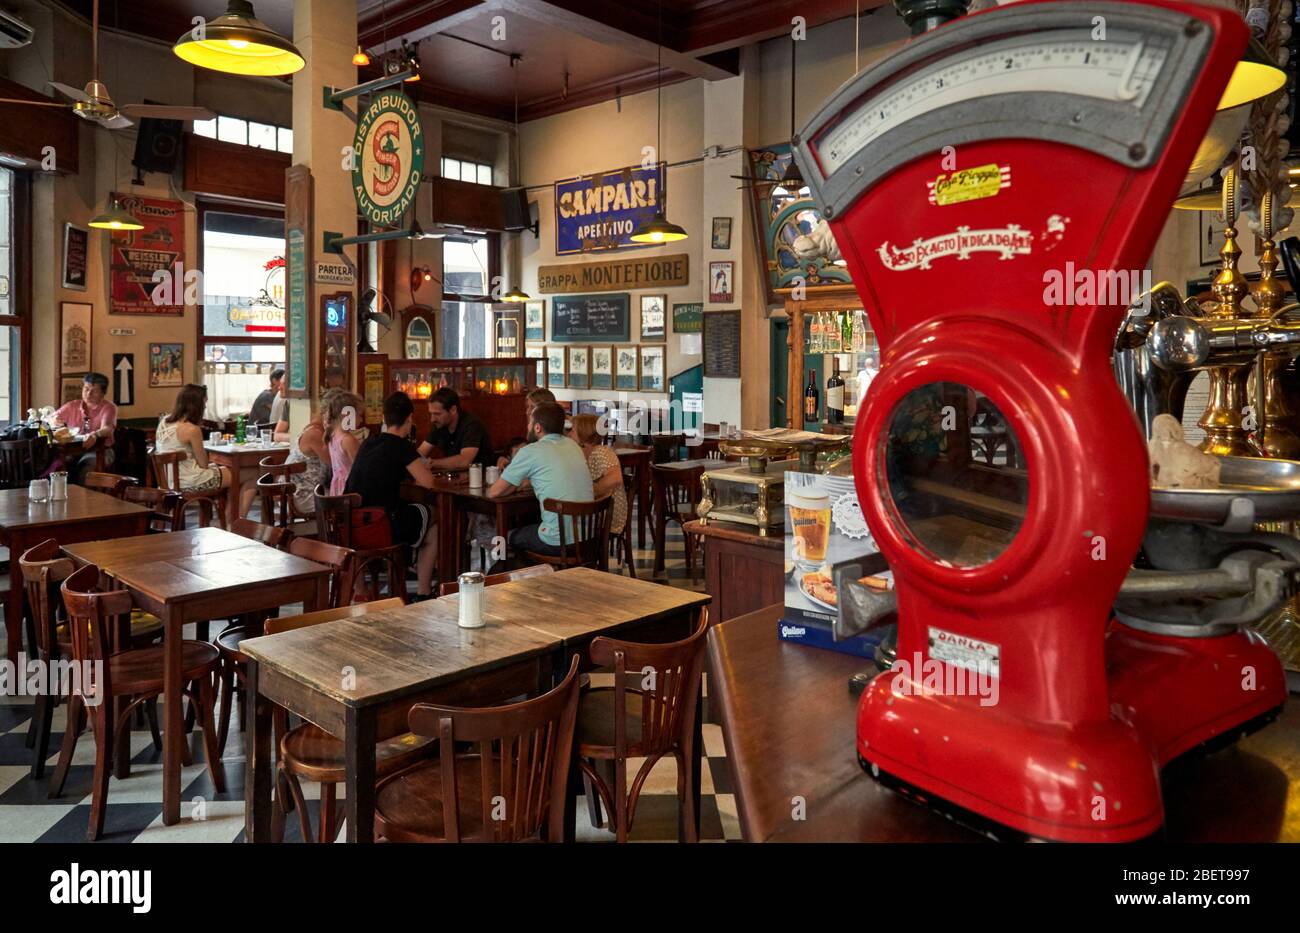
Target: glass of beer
column 810, row 525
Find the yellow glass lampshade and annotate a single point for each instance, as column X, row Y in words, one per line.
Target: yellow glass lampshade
column 515, row 295
column 658, row 230
column 239, row 43
column 360, row 59
column 115, row 219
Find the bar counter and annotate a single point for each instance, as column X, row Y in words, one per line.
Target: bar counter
column 742, row 570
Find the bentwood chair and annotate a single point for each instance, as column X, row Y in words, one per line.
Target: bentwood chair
column 633, row 720
column 276, row 488
column 233, row 661
column 168, row 507
column 110, row 484
column 677, row 496
column 167, row 471
column 509, row 786
column 20, row 461
column 584, row 533
column 620, row 542
column 43, row 568
column 134, row 676
column 446, row 589
column 334, row 526
column 308, row 752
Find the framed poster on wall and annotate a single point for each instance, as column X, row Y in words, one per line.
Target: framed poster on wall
column 535, row 320
column 166, row 365
column 653, row 319
column 579, row 367
column 298, row 308
column 75, row 332
column 652, row 369
column 602, row 367
column 76, row 249
column 626, row 370
column 70, row 389
column 136, row 255
column 555, row 358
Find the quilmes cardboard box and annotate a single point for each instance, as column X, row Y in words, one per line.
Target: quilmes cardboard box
column 824, row 529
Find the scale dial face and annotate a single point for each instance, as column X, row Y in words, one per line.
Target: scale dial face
column 1122, row 69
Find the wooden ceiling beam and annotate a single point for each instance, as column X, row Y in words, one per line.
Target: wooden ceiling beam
column 730, row 24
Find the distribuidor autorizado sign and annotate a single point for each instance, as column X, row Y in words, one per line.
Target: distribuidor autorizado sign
column 388, row 158
column 615, row 275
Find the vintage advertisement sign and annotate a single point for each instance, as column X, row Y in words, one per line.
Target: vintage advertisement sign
column 601, row 211
column 298, row 335
column 615, row 275
column 688, row 318
column 137, row 254
column 334, row 273
column 388, row 157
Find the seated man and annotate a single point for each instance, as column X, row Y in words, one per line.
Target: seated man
column 95, row 417
column 535, row 398
column 260, row 413
column 384, row 461
column 556, row 468
column 460, row 435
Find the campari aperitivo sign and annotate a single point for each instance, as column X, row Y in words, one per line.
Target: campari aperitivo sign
column 388, row 157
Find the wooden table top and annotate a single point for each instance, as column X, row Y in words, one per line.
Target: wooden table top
column 459, row 486
column 574, row 604
column 790, row 728
column 81, row 505
column 708, row 463
column 247, row 450
column 171, row 570
column 395, row 651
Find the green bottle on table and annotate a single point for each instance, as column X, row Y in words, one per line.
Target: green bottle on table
column 240, row 430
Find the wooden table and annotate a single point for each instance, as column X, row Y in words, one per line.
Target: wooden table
column 743, row 570
column 789, row 725
column 243, row 461
column 193, row 576
column 418, row 654
column 83, row 516
column 661, row 516
column 451, row 496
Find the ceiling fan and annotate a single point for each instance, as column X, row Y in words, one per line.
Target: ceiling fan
column 791, row 179
column 94, row 104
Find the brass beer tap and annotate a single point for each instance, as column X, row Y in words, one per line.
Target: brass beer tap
column 1275, row 434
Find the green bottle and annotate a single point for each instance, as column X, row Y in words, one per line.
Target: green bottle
column 240, row 430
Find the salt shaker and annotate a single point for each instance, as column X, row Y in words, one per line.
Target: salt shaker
column 476, row 476
column 493, row 474
column 58, row 486
column 471, row 600
column 38, row 490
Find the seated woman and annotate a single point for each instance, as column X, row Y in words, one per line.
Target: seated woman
column 602, row 464
column 340, row 425
column 95, row 418
column 183, row 430
column 311, row 449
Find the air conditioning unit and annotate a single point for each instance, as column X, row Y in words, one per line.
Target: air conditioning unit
column 14, row 33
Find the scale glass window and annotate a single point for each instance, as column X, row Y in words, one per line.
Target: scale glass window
column 956, row 474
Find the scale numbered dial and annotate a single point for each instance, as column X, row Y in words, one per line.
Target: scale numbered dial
column 1067, row 62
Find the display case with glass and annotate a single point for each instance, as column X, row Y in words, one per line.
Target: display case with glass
column 833, row 358
column 494, row 389
column 743, row 495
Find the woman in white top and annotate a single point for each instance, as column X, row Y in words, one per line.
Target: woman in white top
column 183, row 430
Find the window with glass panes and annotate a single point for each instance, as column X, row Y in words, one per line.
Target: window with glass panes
column 13, row 312
column 242, row 132
column 465, row 170
column 466, row 274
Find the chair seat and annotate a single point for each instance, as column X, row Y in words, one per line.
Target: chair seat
column 408, row 806
column 311, row 752
column 228, row 644
column 141, row 669
column 593, row 735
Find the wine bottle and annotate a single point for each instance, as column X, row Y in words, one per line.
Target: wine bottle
column 811, row 397
column 835, row 394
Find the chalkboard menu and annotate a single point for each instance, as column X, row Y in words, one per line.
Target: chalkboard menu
column 722, row 344
column 591, row 319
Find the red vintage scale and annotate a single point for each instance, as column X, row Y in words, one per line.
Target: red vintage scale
column 960, row 177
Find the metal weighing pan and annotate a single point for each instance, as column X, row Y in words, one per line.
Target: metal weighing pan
column 1250, row 490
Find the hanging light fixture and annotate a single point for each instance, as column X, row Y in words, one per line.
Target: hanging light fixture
column 411, row 61
column 658, row 229
column 515, row 294
column 237, row 42
column 115, row 218
column 360, row 59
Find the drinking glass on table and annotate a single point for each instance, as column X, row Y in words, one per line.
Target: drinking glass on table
column 268, row 437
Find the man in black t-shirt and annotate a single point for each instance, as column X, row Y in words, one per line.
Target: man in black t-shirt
column 382, row 464
column 460, row 435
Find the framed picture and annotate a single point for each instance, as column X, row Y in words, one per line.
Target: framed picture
column 653, row 319
column 626, row 370
column 70, row 389
column 535, row 320
column 720, row 281
column 555, row 372
column 508, row 342
column 74, row 355
column 722, row 233
column 602, row 367
column 539, row 354
column 166, row 364
column 652, row 369
column 76, row 247
column 579, row 367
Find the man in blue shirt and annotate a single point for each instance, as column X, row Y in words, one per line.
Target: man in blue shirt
column 556, row 468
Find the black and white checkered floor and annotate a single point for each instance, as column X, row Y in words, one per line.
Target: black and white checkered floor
column 134, row 812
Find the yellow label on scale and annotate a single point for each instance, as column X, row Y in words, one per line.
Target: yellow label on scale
column 969, row 184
